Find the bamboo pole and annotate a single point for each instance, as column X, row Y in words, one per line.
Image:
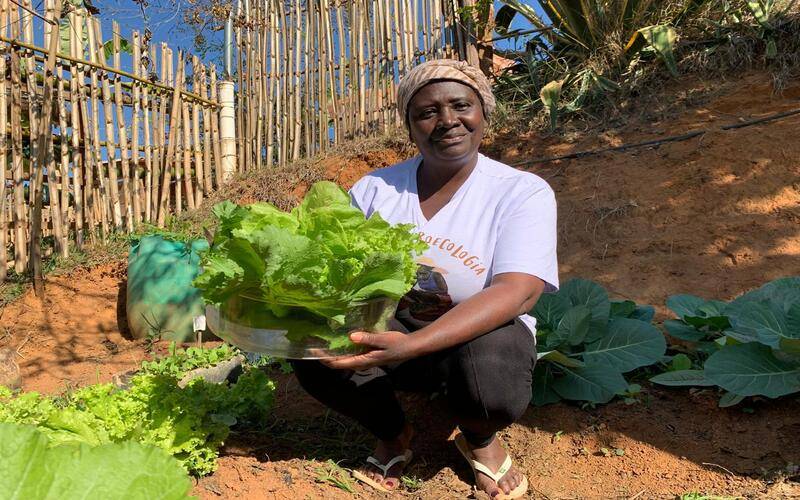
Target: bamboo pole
column 111, row 137
column 159, row 121
column 3, row 145
column 207, row 165
column 260, row 81
column 250, row 106
column 34, row 108
column 147, row 125
column 362, row 67
column 100, row 196
column 57, row 175
column 284, row 101
column 186, row 128
column 174, row 163
column 329, row 83
column 55, row 170
column 77, row 80
column 272, row 99
column 20, row 228
column 45, row 157
column 241, row 110
column 345, row 111
column 136, row 193
column 122, row 134
column 218, row 177
column 174, row 119
column 307, row 80
column 199, row 167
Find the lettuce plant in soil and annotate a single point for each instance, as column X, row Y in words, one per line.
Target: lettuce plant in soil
column 587, row 342
column 748, row 347
column 317, row 262
column 30, row 468
column 189, row 423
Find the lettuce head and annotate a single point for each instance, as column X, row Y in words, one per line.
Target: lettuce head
column 323, row 258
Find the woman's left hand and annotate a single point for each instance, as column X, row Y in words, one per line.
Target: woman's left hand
column 384, row 349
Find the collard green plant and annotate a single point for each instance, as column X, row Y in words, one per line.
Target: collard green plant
column 586, row 343
column 31, row 469
column 748, row 347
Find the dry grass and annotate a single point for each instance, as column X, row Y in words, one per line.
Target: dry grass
column 283, row 186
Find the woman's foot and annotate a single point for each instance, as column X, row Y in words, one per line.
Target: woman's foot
column 493, row 455
column 384, row 452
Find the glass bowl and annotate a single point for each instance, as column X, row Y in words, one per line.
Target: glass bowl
column 249, row 325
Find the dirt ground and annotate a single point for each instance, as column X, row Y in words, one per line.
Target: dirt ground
column 713, row 216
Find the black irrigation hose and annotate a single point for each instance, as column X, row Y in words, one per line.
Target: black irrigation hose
column 655, row 142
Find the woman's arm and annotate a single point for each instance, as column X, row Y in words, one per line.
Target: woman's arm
column 508, row 296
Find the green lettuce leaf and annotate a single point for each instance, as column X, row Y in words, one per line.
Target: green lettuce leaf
column 29, row 469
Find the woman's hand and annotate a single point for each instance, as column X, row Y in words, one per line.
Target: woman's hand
column 384, row 349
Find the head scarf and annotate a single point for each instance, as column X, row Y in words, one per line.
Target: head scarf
column 444, row 69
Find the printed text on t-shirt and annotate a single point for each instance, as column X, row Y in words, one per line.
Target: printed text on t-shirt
column 458, row 252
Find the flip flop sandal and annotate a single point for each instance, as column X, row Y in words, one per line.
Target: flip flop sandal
column 384, row 468
column 520, row 490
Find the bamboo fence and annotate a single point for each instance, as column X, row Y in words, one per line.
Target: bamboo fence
column 110, row 140
column 102, row 133
column 316, row 73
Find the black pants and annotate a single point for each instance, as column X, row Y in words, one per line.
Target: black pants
column 487, row 382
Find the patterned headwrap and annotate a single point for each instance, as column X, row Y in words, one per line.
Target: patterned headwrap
column 444, row 69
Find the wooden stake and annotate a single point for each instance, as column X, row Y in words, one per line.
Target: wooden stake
column 3, row 145
column 45, row 139
column 173, row 126
column 122, row 134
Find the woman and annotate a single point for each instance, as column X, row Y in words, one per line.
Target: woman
column 491, row 231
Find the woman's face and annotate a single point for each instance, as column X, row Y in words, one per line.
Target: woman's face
column 445, row 121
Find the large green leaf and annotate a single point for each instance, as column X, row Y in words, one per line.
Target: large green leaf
column 680, row 330
column 543, row 392
column 644, row 313
column 596, row 384
column 752, row 370
column 793, row 321
column 783, row 292
column 629, row 344
column 549, row 309
column 681, row 378
column 765, row 321
column 684, row 305
column 559, row 358
column 593, row 296
column 730, row 399
column 622, row 308
column 128, row 470
column 574, row 326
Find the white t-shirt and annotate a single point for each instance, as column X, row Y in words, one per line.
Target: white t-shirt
column 500, row 220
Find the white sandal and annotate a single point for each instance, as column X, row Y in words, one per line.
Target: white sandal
column 384, row 468
column 520, row 490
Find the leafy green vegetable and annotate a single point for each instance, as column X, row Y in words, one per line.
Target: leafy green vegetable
column 189, row 423
column 30, row 469
column 323, row 258
column 749, row 347
column 181, row 361
column 587, row 342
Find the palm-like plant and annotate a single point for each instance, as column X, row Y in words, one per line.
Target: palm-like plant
column 582, row 28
